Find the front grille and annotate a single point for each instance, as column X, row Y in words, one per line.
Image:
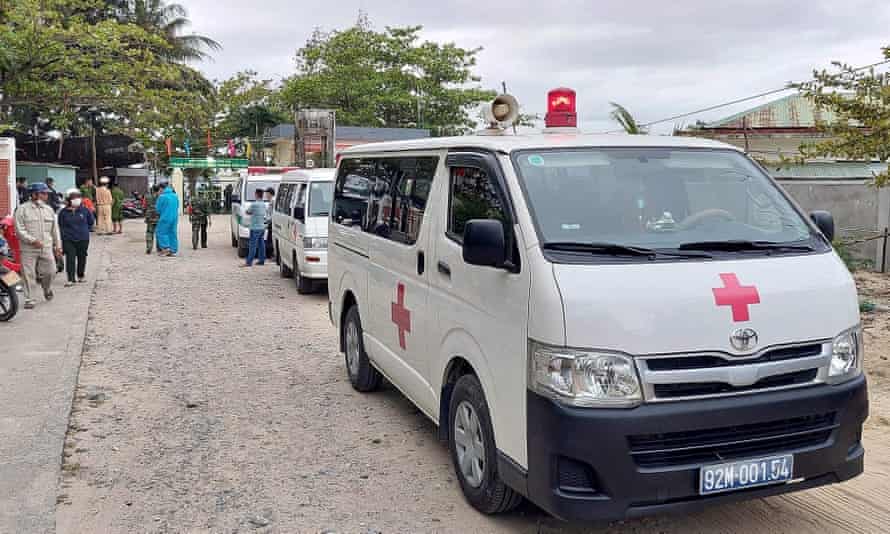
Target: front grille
column 705, row 362
column 731, row 442
column 679, row 377
column 695, row 389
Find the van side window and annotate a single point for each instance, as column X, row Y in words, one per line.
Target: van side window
column 473, row 195
column 398, row 197
column 352, row 190
column 300, row 202
column 282, row 199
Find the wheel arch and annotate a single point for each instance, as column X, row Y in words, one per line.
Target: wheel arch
column 462, row 356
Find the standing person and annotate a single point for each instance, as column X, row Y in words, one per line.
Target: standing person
column 199, row 216
column 38, row 231
column 227, row 193
column 104, row 200
column 54, row 199
column 21, row 188
column 257, row 213
column 117, row 209
column 75, row 222
column 270, row 198
column 151, row 217
column 168, row 222
column 88, row 191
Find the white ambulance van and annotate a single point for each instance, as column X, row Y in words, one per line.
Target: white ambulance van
column 608, row 325
column 300, row 226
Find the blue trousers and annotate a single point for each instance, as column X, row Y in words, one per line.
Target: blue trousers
column 257, row 248
column 166, row 232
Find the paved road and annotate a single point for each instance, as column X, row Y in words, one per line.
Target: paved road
column 39, row 358
column 212, row 399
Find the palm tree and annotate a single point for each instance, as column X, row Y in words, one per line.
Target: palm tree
column 168, row 20
column 625, row 119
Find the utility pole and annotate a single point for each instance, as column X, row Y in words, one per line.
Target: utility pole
column 93, row 136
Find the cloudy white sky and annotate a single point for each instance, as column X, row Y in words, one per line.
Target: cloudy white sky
column 658, row 58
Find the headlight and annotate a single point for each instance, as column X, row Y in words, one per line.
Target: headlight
column 583, row 378
column 846, row 356
column 315, row 242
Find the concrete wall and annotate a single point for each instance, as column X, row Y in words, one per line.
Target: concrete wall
column 64, row 176
column 859, row 209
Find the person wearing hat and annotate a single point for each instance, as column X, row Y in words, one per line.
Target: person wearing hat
column 38, row 231
column 75, row 223
column 104, row 200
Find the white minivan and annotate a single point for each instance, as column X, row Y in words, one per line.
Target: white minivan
column 610, row 326
column 300, row 226
column 243, row 194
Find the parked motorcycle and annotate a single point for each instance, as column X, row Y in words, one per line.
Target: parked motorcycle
column 9, row 299
column 132, row 209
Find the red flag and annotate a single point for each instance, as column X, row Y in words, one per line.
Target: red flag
column 231, row 148
column 169, row 143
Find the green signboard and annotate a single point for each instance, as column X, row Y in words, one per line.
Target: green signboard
column 208, row 163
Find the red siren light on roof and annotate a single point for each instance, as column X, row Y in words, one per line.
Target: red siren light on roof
column 561, row 108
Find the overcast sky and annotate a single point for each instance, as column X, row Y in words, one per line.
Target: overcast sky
column 657, row 58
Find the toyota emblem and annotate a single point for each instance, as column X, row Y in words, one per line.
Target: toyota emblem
column 743, row 339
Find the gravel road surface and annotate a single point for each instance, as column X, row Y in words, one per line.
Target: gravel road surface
column 212, row 398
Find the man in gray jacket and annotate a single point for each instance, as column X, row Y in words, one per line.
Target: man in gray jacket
column 38, row 231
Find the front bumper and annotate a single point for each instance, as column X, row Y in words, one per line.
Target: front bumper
column 584, row 464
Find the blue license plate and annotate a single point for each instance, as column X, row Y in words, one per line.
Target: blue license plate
column 731, row 476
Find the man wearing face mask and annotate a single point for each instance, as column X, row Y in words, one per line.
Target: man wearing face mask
column 38, row 231
column 75, row 223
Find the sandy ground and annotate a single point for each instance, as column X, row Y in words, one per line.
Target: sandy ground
column 213, row 399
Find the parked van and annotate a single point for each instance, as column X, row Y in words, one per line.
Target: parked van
column 242, row 195
column 610, row 326
column 300, row 226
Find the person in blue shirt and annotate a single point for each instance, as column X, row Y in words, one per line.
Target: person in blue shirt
column 75, row 223
column 257, row 212
column 168, row 222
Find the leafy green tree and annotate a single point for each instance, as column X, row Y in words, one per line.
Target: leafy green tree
column 387, row 78
column 622, row 116
column 247, row 106
column 860, row 101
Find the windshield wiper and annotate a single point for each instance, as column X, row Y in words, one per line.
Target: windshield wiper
column 741, row 244
column 617, row 249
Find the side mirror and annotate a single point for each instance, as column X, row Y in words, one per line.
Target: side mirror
column 235, row 199
column 485, row 243
column 825, row 222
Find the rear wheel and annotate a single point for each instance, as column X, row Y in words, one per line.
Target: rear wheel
column 9, row 303
column 362, row 374
column 473, row 450
column 304, row 285
column 234, row 241
column 242, row 247
column 283, row 269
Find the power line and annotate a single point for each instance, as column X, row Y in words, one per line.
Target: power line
column 745, row 99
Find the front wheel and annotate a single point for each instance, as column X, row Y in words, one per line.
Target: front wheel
column 304, row 285
column 362, row 374
column 242, row 247
column 473, row 451
column 9, row 302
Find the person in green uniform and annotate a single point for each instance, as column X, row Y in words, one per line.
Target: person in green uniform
column 88, row 190
column 117, row 209
column 199, row 216
column 151, row 218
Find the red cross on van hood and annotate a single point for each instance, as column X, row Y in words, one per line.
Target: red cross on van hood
column 655, row 308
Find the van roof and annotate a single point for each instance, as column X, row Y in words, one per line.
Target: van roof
column 509, row 143
column 309, row 175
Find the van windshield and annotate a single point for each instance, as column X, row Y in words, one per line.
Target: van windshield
column 656, row 198
column 320, row 196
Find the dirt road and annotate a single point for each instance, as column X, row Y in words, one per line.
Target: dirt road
column 212, row 398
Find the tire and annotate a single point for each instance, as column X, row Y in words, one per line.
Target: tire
column 283, row 269
column 234, row 241
column 305, row 285
column 362, row 375
column 483, row 488
column 242, row 247
column 9, row 303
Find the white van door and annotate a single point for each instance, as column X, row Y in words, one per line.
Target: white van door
column 482, row 312
column 399, row 274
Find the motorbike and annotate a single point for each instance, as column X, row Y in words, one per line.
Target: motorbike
column 9, row 298
column 132, row 209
